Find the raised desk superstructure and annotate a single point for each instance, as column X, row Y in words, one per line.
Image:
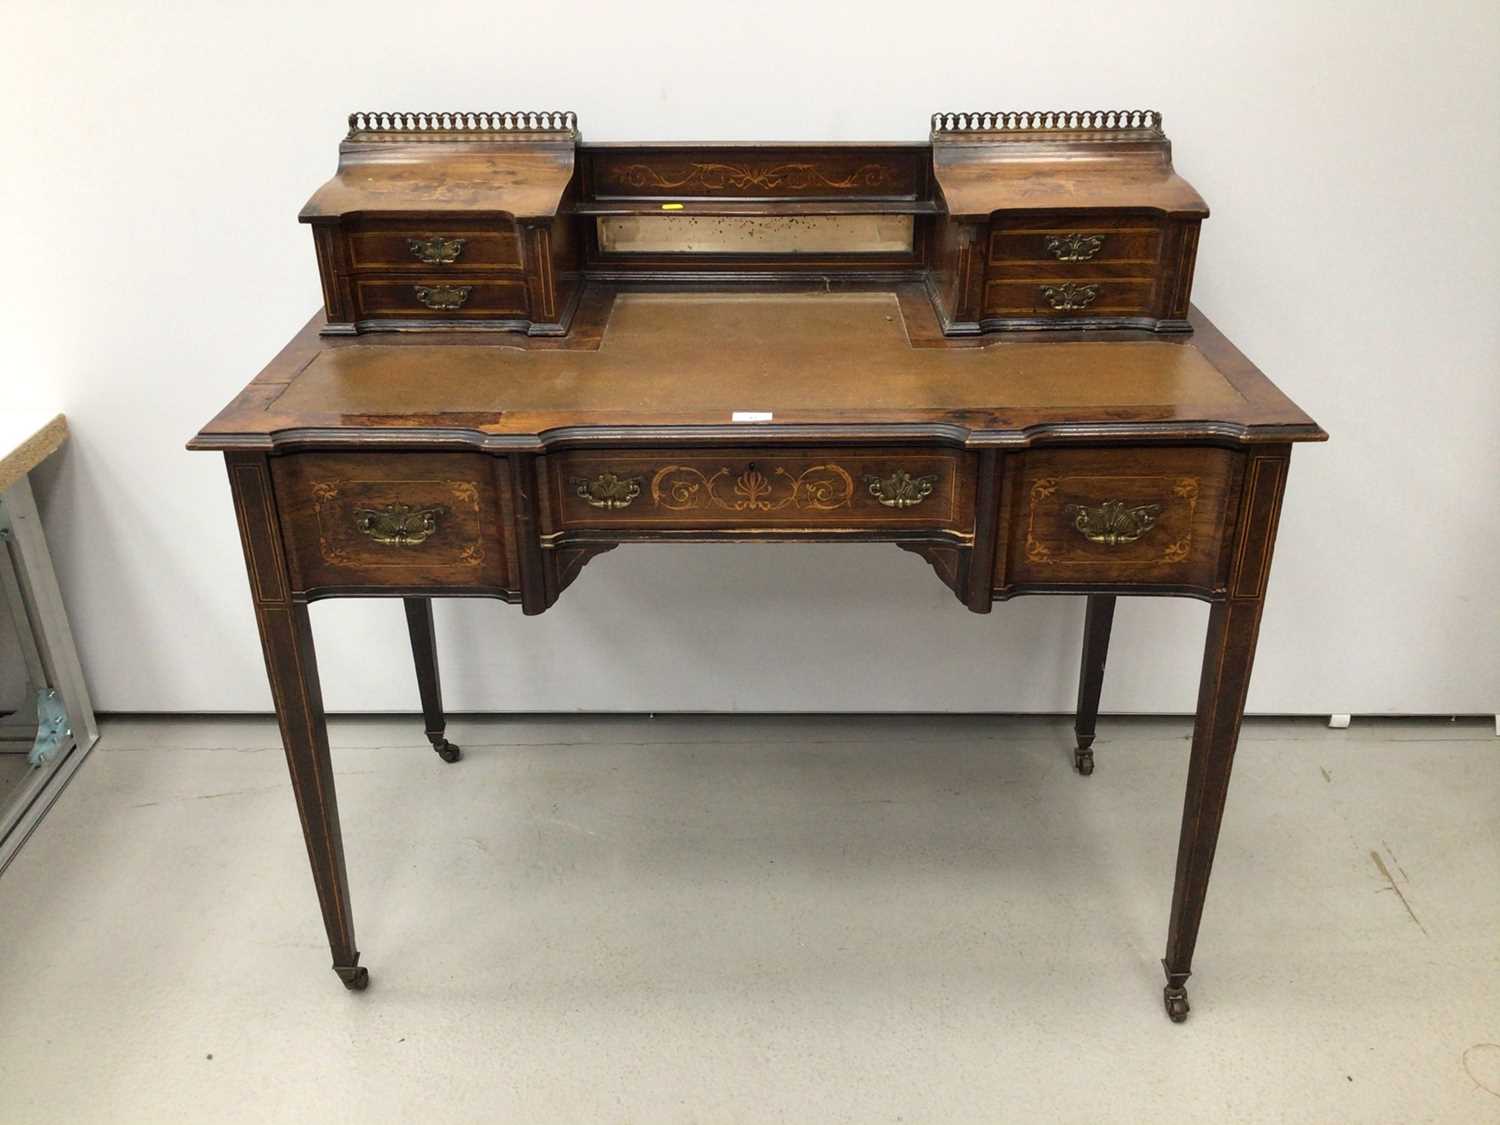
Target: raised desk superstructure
column 755, row 404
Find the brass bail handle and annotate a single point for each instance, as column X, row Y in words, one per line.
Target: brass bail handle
column 435, row 250
column 1113, row 522
column 399, row 525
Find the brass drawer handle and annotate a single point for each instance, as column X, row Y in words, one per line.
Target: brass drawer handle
column 1074, row 247
column 1069, row 296
column 443, row 296
column 608, row 491
column 436, row 250
column 900, row 489
column 399, row 525
column 1111, row 522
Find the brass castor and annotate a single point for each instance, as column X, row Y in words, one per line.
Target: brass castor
column 447, row 751
column 1083, row 760
column 1176, row 1002
column 356, row 979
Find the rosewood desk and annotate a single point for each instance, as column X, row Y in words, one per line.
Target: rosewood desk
column 469, row 464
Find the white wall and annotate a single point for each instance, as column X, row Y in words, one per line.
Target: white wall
column 155, row 156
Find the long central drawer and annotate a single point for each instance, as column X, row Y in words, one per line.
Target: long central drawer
column 814, row 490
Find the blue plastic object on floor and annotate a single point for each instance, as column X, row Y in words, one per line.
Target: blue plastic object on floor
column 51, row 728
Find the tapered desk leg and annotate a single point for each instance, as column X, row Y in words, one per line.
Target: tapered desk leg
column 1228, row 655
column 424, row 654
column 1098, row 620
column 291, row 665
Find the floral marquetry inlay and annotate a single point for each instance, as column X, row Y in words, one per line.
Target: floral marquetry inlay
column 1187, row 489
column 682, row 488
column 1037, row 551
column 767, row 177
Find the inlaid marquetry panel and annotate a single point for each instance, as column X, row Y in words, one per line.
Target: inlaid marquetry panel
column 758, row 172
column 1155, row 516
column 794, row 490
column 391, row 519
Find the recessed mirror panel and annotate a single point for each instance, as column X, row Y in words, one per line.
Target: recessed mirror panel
column 755, row 234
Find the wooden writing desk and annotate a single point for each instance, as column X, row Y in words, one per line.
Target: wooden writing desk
column 497, row 465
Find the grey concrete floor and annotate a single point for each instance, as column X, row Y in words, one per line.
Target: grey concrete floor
column 759, row 919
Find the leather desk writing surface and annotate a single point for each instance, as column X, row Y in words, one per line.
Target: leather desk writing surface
column 834, row 361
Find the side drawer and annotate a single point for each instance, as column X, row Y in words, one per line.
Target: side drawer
column 1058, row 296
column 1117, row 516
column 814, row 490
column 431, row 248
column 393, row 519
column 440, row 298
column 1075, row 244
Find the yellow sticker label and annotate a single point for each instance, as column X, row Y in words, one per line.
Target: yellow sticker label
column 671, row 206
